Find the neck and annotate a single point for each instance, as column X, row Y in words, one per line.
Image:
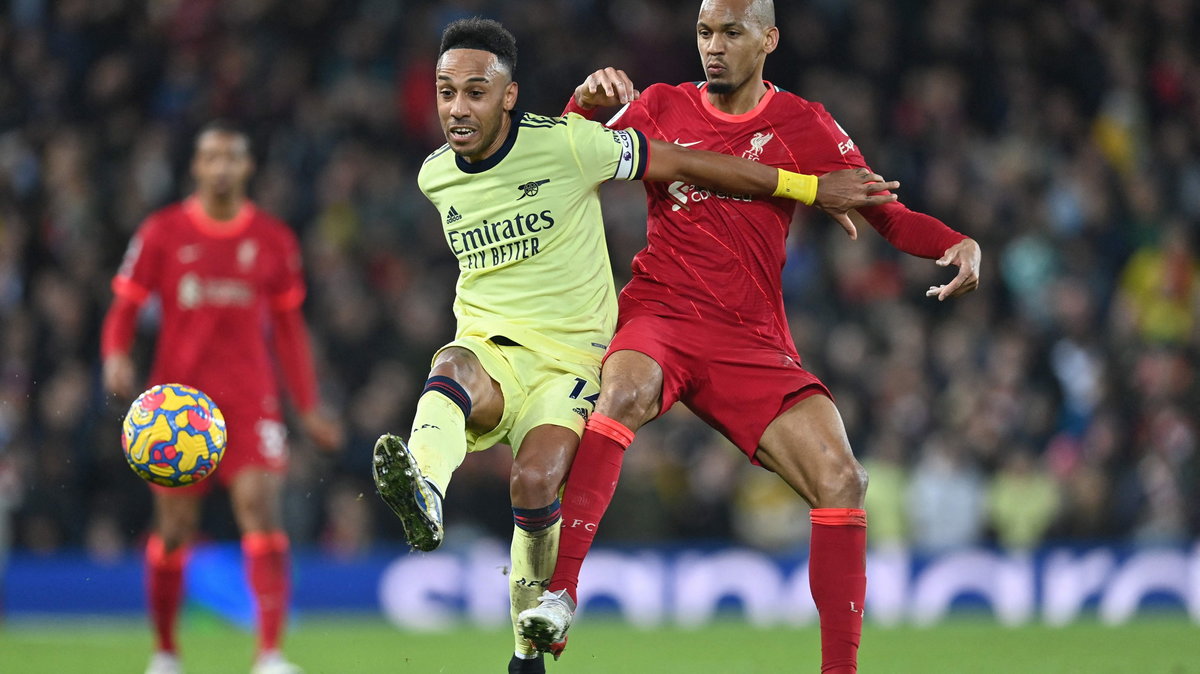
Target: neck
column 221, row 207
column 740, row 100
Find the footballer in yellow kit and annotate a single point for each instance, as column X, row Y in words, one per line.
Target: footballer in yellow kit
column 526, row 227
column 517, row 197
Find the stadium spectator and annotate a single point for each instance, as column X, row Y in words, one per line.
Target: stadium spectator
column 1022, row 502
column 945, row 498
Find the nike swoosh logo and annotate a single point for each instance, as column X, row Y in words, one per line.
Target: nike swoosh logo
column 695, row 142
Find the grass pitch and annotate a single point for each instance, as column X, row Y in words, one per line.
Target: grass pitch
column 366, row 646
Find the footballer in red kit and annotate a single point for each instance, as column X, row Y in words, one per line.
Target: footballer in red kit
column 705, row 300
column 229, row 281
column 214, row 279
column 702, row 321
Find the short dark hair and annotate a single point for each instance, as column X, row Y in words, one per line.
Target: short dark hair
column 484, row 35
column 223, row 125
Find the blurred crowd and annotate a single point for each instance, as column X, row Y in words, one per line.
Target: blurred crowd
column 1056, row 403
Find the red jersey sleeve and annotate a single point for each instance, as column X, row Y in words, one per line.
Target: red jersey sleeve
column 286, row 287
column 286, row 295
column 578, row 109
column 907, row 230
column 295, row 357
column 136, row 279
column 141, row 268
column 638, row 114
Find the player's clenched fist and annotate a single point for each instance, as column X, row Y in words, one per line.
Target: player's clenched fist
column 605, row 88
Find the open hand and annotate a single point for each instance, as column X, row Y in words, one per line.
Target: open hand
column 966, row 256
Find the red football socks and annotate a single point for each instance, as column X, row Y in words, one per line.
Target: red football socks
column 267, row 569
column 837, row 575
column 590, row 488
column 164, row 590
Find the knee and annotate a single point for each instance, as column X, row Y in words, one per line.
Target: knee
column 457, row 364
column 257, row 514
column 843, row 486
column 533, row 486
column 172, row 540
column 628, row 403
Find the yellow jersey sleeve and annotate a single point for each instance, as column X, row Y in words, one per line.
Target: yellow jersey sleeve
column 606, row 154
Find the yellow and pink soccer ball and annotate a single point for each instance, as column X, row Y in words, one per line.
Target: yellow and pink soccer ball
column 173, row 435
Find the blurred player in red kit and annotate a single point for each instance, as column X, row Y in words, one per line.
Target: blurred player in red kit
column 702, row 321
column 230, row 283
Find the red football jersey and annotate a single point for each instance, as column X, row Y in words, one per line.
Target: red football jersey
column 216, row 282
column 719, row 256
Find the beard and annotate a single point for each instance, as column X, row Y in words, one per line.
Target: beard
column 721, row 88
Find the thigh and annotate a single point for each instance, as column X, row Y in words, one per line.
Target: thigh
column 807, row 447
column 661, row 339
column 631, row 385
column 176, row 514
column 471, row 361
column 546, row 431
column 256, row 495
column 497, row 387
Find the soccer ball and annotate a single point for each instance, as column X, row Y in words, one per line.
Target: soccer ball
column 173, row 435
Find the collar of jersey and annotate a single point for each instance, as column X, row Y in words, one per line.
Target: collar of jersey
column 221, row 229
column 481, row 166
column 745, row 116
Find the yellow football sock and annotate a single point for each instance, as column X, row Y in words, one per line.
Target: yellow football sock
column 439, row 438
column 533, row 554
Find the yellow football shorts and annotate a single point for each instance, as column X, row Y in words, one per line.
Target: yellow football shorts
column 537, row 387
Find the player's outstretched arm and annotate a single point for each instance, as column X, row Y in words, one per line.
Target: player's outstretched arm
column 966, row 256
column 842, row 190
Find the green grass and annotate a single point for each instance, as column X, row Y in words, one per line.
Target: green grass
column 363, row 646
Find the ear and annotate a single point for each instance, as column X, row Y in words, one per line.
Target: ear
column 510, row 96
column 770, row 39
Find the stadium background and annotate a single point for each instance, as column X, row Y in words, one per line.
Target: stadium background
column 1054, row 406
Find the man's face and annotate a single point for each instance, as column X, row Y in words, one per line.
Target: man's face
column 222, row 164
column 474, row 94
column 732, row 45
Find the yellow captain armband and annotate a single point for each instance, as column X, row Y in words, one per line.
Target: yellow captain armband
column 798, row 186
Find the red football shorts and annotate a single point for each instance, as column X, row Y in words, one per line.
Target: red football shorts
column 255, row 438
column 735, row 381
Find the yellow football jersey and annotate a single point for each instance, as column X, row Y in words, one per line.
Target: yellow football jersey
column 526, row 227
